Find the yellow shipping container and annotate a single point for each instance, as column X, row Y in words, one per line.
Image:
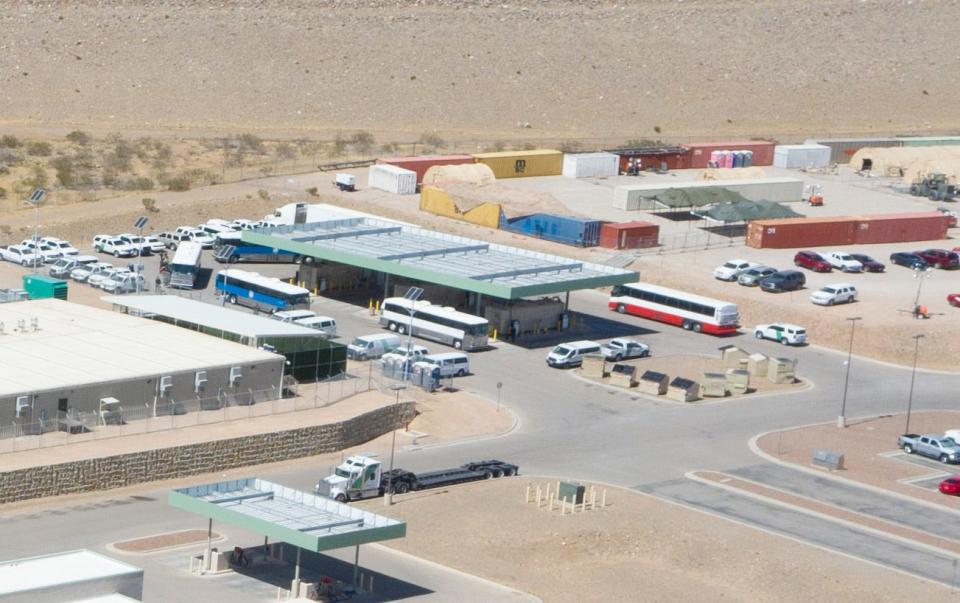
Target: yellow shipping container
column 440, row 202
column 519, row 164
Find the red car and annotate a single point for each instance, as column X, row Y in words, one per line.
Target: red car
column 954, row 299
column 951, row 486
column 940, row 258
column 812, row 260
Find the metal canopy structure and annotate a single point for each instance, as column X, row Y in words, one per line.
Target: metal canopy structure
column 434, row 257
column 304, row 520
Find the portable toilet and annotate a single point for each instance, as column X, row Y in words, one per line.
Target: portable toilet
column 623, row 375
column 653, row 383
column 683, row 390
column 738, row 380
column 737, row 159
column 714, row 385
column 757, row 365
column 39, row 286
column 728, row 159
column 781, row 370
column 716, row 157
column 747, row 158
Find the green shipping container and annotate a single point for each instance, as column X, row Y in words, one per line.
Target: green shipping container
column 39, row 286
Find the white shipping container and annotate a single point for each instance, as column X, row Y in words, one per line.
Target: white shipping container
column 799, row 156
column 392, row 179
column 641, row 196
column 590, row 165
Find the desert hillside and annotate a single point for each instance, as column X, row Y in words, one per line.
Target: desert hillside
column 477, row 69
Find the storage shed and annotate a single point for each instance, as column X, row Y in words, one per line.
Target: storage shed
column 657, row 158
column 594, row 366
column 580, row 232
column 842, row 149
column 732, row 356
column 738, row 380
column 700, row 151
column 714, row 385
column 782, row 370
column 801, row 156
column 519, row 164
column 422, row 163
column 392, row 179
column 629, row 235
column 590, row 165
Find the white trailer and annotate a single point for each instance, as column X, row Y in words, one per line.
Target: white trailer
column 800, row 156
column 590, row 165
column 392, row 179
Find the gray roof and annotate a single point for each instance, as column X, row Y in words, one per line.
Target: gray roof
column 435, row 257
column 209, row 315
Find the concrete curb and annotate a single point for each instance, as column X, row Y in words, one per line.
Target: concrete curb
column 471, row 439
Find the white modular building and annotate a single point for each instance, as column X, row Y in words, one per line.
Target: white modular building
column 800, row 156
column 590, row 165
column 392, row 179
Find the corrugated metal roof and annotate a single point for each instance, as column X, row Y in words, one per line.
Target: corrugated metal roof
column 75, row 345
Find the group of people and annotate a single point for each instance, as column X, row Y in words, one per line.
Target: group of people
column 164, row 274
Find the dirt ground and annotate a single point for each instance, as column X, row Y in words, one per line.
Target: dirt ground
column 692, row 367
column 161, row 541
column 672, row 554
column 865, row 445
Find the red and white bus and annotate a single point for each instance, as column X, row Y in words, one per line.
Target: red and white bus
column 692, row 312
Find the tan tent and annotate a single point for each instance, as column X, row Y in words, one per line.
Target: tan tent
column 471, row 173
column 918, row 169
column 895, row 161
column 733, row 173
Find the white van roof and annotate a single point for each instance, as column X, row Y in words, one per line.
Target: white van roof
column 293, row 314
column 445, row 356
column 581, row 344
column 309, row 320
column 378, row 337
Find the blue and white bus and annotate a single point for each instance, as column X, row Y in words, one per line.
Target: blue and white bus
column 261, row 292
column 230, row 249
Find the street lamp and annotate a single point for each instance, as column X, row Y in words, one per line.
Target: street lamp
column 920, row 275
column 35, row 198
column 913, row 377
column 388, row 494
column 842, row 419
column 412, row 295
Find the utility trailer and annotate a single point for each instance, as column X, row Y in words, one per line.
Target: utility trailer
column 361, row 477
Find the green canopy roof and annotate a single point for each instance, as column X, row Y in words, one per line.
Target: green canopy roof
column 744, row 211
column 697, row 197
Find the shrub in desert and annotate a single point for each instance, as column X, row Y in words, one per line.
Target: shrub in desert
column 178, row 183
column 432, row 141
column 39, row 149
column 3, row 195
column 263, row 194
column 339, row 146
column 312, row 191
column 149, row 204
column 362, row 141
column 80, row 138
column 389, row 148
column 285, row 150
column 251, row 143
column 570, row 146
column 8, row 141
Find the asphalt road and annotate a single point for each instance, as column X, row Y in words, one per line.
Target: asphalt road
column 573, row 428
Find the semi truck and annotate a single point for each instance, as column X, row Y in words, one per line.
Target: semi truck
column 362, row 476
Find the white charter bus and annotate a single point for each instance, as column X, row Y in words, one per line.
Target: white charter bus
column 444, row 324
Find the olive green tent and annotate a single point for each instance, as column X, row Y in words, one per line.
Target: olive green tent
column 675, row 198
column 744, row 211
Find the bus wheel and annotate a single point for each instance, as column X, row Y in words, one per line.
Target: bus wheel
column 457, row 344
column 621, row 309
column 401, row 329
column 392, row 326
column 686, row 325
column 233, row 299
column 697, row 327
column 234, row 259
column 341, row 498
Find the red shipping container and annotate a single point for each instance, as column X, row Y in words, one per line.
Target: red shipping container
column 796, row 233
column 676, row 158
column 629, row 235
column 898, row 228
column 421, row 164
column 700, row 151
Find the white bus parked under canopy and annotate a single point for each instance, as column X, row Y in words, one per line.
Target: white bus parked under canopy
column 439, row 323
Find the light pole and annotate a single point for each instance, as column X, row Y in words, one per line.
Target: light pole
column 499, row 387
column 913, row 377
column 412, row 295
column 139, row 224
column 388, row 494
column 35, row 198
column 842, row 419
column 920, row 275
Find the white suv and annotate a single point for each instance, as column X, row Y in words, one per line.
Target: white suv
column 64, row 246
column 841, row 260
column 785, row 333
column 840, row 293
column 729, row 271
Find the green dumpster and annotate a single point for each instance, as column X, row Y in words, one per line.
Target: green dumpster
column 39, row 286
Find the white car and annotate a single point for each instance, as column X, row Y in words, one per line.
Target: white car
column 64, row 246
column 97, row 278
column 100, row 239
column 82, row 274
column 48, row 253
column 622, row 349
column 122, row 282
column 841, row 260
column 785, row 333
column 154, row 244
column 117, row 248
column 242, row 224
column 402, row 354
column 18, row 254
column 729, row 271
column 197, row 236
column 839, row 293
column 136, row 241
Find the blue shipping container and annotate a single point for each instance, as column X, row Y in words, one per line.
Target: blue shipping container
column 562, row 229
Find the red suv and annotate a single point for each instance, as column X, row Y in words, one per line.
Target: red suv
column 812, row 260
column 940, row 258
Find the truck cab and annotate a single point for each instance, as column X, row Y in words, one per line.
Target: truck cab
column 357, row 477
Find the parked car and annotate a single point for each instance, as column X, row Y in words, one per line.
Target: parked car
column 785, row 280
column 64, row 247
column 751, row 277
column 943, row 449
column 954, row 299
column 812, row 261
column 839, row 293
column 96, row 278
column 123, row 282
column 451, row 364
column 729, row 271
column 242, row 224
column 65, row 265
column 117, row 248
column 324, row 324
column 402, row 354
column 869, row 264
column 135, row 241
column 173, row 239
column 622, row 349
column 83, row 273
column 197, row 236
column 154, row 244
column 292, row 315
column 843, row 261
column 48, row 253
column 951, row 486
column 571, row 354
column 367, row 347
column 18, row 254
column 940, row 258
column 908, row 260
column 785, row 333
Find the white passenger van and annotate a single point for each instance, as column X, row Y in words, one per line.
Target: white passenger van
column 452, row 364
column 570, row 354
column 366, row 347
column 324, row 324
column 292, row 315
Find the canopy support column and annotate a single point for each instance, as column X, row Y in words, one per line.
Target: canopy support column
column 356, row 567
column 208, row 561
column 296, row 569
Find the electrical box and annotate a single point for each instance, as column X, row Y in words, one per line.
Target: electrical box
column 199, row 381
column 166, row 384
column 572, row 491
column 23, row 403
column 235, row 375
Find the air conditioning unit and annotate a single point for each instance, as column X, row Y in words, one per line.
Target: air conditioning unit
column 166, row 384
column 23, row 403
column 235, row 375
column 199, row 381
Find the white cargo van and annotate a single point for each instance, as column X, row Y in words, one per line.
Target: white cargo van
column 324, row 324
column 570, row 354
column 453, row 364
column 292, row 315
column 366, row 347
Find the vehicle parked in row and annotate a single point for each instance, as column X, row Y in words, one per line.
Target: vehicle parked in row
column 404, row 353
column 908, row 260
column 154, row 244
column 940, row 258
column 97, row 278
column 954, row 299
column 83, row 273
column 65, row 265
column 197, row 236
column 950, row 486
column 172, row 240
column 46, row 252
column 839, row 293
column 292, row 315
column 869, row 264
column 785, row 333
column 135, row 241
column 123, row 282
column 941, row 448
column 64, row 247
column 571, row 354
column 730, row 270
column 812, row 261
column 242, row 224
column 843, row 261
column 452, row 364
column 621, row 349
column 324, row 324
column 953, row 434
column 117, row 248
column 751, row 277
column 18, row 254
column 785, row 280
column 367, row 347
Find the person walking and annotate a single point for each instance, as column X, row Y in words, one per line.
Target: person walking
column 157, row 283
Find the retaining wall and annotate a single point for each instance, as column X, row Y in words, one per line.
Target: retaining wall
column 104, row 473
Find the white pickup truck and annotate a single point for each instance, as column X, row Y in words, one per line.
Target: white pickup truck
column 622, row 349
column 937, row 447
column 18, row 254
